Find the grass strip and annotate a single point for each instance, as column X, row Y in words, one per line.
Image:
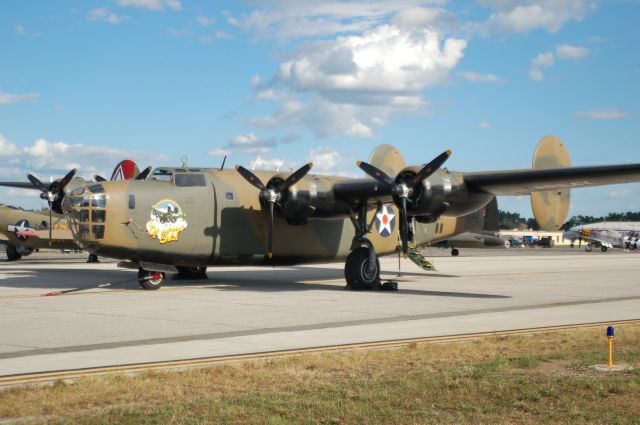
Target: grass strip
column 527, row 379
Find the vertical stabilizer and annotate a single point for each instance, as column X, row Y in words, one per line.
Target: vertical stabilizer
column 550, row 207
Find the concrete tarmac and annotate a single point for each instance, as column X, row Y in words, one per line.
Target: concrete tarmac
column 240, row 310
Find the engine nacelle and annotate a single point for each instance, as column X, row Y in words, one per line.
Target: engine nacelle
column 441, row 194
column 310, row 197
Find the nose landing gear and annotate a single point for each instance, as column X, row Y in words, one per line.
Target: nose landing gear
column 150, row 280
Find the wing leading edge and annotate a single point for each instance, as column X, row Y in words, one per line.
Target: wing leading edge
column 523, row 182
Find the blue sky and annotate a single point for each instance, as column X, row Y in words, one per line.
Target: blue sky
column 87, row 83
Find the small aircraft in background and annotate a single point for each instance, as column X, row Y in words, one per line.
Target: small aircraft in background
column 22, row 232
column 239, row 217
column 606, row 234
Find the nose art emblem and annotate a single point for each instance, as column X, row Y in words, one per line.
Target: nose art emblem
column 167, row 221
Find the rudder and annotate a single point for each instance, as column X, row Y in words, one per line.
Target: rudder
column 550, row 207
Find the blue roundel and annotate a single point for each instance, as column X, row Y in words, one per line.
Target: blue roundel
column 385, row 221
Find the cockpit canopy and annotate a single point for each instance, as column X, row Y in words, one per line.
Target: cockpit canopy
column 180, row 177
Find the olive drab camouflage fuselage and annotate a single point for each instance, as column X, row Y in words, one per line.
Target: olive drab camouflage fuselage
column 210, row 216
column 196, row 217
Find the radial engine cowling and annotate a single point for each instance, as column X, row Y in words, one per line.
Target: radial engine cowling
column 441, row 194
column 310, row 197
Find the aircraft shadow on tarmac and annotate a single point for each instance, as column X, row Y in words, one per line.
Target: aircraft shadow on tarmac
column 282, row 279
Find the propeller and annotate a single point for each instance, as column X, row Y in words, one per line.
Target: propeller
column 144, row 173
column 272, row 194
column 403, row 188
column 52, row 193
column 142, row 176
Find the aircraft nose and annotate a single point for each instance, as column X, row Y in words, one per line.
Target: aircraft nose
column 86, row 211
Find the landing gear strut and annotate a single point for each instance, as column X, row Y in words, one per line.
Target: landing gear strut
column 193, row 272
column 150, row 280
column 362, row 268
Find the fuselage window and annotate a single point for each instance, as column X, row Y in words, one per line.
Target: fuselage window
column 190, row 180
column 229, row 196
column 161, row 175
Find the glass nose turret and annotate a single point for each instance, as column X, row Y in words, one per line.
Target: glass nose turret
column 85, row 210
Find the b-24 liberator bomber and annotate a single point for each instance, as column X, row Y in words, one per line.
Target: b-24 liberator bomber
column 197, row 217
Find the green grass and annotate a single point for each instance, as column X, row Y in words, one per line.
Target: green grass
column 536, row 379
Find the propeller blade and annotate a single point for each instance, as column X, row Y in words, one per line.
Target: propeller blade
column 143, row 175
column 376, row 173
column 431, row 167
column 50, row 223
column 37, row 183
column 250, row 177
column 404, row 228
column 99, row 179
column 270, row 250
column 295, row 177
column 66, row 179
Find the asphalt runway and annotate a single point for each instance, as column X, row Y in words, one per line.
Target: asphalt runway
column 240, row 310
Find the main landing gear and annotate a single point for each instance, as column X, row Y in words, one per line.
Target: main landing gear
column 362, row 268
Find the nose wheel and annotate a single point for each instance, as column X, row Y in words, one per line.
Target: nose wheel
column 150, row 280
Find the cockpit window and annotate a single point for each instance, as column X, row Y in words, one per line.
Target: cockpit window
column 190, row 180
column 161, row 174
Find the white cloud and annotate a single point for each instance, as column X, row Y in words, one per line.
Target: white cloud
column 547, row 59
column 19, row 29
column 352, row 84
column 480, row 78
column 156, row 5
column 205, row 21
column 6, row 148
column 484, row 125
column 9, row 98
column 57, row 158
column 386, row 59
column 103, row 14
column 543, row 60
column 567, row 51
column 251, row 144
column 286, row 20
column 219, row 152
column 524, row 16
column 602, row 114
column 261, row 163
column 325, row 160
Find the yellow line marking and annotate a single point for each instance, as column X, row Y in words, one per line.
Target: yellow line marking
column 41, row 377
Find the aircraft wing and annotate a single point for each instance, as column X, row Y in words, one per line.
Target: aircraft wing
column 19, row 185
column 523, row 182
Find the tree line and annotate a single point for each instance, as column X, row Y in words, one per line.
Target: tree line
column 511, row 220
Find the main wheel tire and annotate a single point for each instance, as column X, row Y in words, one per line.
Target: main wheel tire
column 455, row 252
column 93, row 258
column 588, row 248
column 571, row 245
column 12, row 253
column 194, row 272
column 150, row 280
column 356, row 270
column 603, row 248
